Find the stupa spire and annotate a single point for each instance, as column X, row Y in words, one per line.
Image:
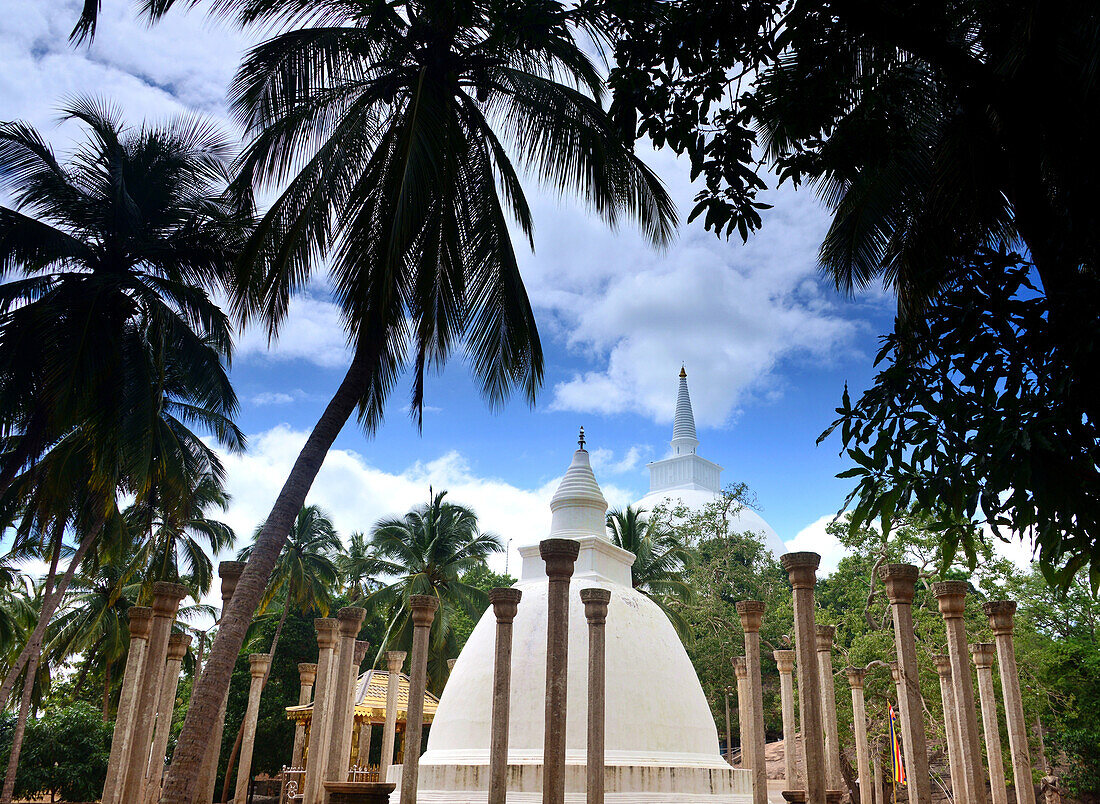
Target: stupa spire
column 683, row 441
column 578, row 506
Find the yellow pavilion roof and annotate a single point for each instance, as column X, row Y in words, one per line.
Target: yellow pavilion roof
column 370, row 699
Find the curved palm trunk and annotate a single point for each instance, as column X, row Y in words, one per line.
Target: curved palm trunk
column 50, row 601
column 180, row 786
column 20, row 729
column 236, row 752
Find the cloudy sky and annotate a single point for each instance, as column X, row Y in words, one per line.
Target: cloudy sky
column 767, row 344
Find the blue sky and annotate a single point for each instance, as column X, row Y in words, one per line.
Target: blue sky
column 768, row 345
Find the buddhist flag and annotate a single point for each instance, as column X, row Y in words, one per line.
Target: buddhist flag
column 895, row 749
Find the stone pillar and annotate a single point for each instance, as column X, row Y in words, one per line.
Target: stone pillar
column 423, row 613
column 859, row 723
column 595, row 602
column 140, row 620
column 784, row 660
column 320, row 726
column 959, row 790
column 559, row 555
column 166, row 602
column 166, row 705
column 394, row 660
column 741, row 670
column 825, row 635
column 259, row 663
column 901, row 582
column 230, row 573
column 952, row 599
column 1001, row 614
column 351, row 733
column 729, row 732
column 983, row 661
column 349, row 621
column 751, row 613
column 366, row 732
column 878, row 777
column 802, row 570
column 505, row 604
column 307, row 673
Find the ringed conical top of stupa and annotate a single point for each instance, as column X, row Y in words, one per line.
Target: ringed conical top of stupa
column 661, row 741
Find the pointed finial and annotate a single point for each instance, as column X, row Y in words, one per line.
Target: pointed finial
column 580, row 439
column 683, row 371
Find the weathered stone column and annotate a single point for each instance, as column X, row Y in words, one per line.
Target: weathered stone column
column 394, row 660
column 751, row 613
column 983, row 661
column 349, row 621
column 307, row 673
column 259, row 663
column 140, row 620
column 959, row 790
column 1001, row 614
column 166, row 705
column 859, row 723
column 741, row 670
column 784, row 660
column 319, row 725
column 423, row 613
column 166, row 602
column 359, row 653
column 230, row 573
column 729, row 732
column 595, row 602
column 952, row 599
column 505, row 604
column 802, row 569
column 559, row 555
column 901, row 582
column 878, row 776
column 825, row 635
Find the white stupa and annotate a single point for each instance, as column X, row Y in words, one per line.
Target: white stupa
column 661, row 742
column 687, row 477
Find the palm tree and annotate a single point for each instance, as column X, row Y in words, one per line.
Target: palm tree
column 660, row 561
column 303, row 579
column 177, row 531
column 109, row 350
column 359, row 566
column 427, row 552
column 400, row 119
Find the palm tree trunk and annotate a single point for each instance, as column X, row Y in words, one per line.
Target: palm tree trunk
column 20, row 728
column 49, row 605
column 236, row 752
column 179, row 787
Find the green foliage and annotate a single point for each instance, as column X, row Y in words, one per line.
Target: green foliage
column 975, row 416
column 726, row 566
column 64, row 754
column 482, row 578
column 429, row 551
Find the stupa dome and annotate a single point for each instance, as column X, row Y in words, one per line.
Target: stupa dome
column 660, row 735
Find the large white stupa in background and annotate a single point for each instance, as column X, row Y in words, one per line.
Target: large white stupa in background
column 661, row 742
column 687, row 477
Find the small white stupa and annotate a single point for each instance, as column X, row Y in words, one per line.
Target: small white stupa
column 661, row 742
column 689, row 478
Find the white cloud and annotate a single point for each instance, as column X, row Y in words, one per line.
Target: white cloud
column 313, row 331
column 814, row 538
column 604, row 461
column 273, row 398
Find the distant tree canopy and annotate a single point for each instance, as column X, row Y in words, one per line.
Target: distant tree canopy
column 954, row 143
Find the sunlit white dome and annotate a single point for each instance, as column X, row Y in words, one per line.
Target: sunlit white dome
column 660, row 746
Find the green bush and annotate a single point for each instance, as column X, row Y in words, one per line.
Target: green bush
column 64, row 755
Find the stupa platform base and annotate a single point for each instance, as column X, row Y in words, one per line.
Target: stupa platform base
column 626, row 784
